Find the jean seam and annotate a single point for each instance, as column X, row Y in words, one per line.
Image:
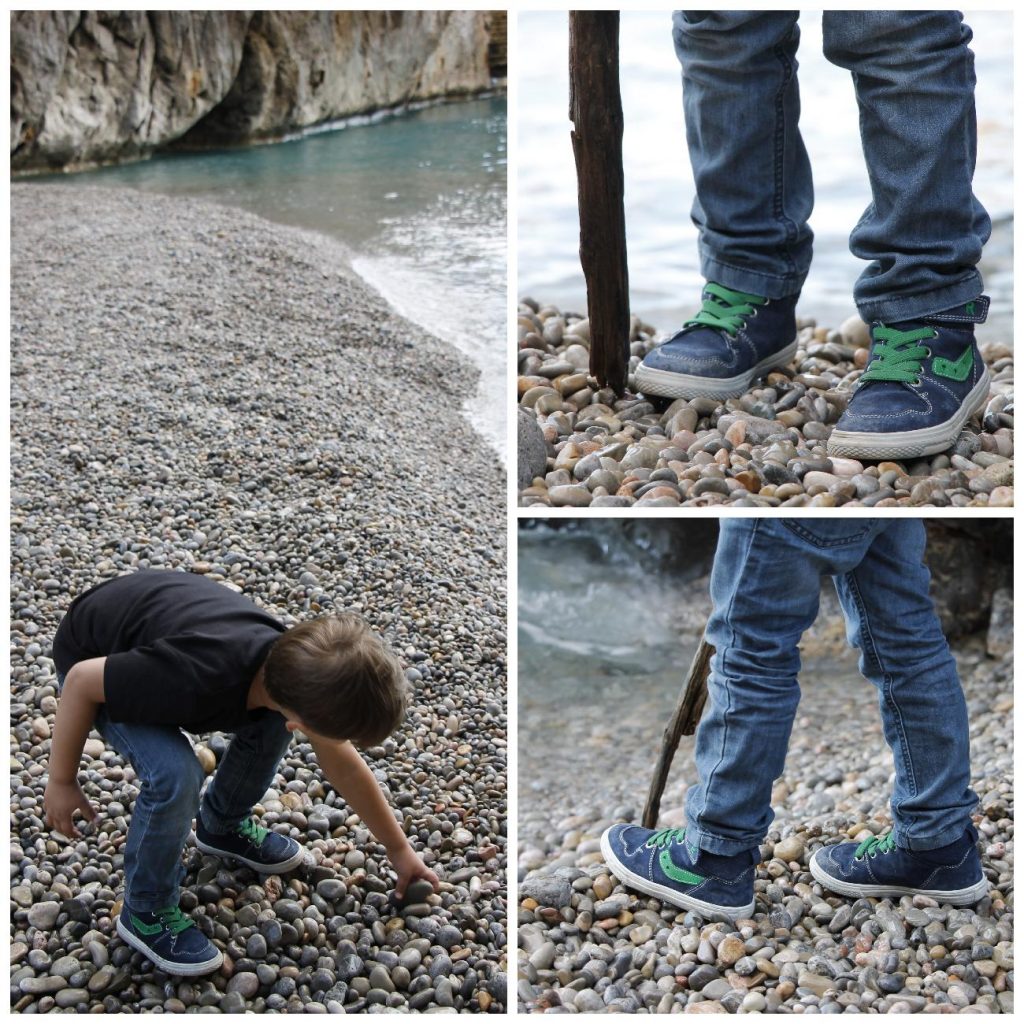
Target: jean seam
column 778, row 199
column 870, row 647
column 725, row 711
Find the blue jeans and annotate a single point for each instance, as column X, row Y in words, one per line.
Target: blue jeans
column 170, row 778
column 765, row 587
column 913, row 73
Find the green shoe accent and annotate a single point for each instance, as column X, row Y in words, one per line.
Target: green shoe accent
column 727, row 309
column 897, row 357
column 170, row 917
column 969, row 308
column 248, row 829
column 145, row 929
column 662, row 840
column 873, row 845
column 677, row 874
column 958, row 369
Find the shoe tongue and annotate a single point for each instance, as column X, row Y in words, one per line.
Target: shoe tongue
column 973, row 312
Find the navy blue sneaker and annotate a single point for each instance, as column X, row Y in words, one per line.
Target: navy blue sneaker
column 925, row 380
column 170, row 939
column 253, row 845
column 733, row 340
column 878, row 867
column 664, row 865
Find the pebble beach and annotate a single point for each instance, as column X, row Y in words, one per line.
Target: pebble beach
column 196, row 388
column 588, row 944
column 581, row 446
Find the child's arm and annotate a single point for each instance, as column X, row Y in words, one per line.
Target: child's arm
column 349, row 774
column 81, row 695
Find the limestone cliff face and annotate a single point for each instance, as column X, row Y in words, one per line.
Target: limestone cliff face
column 97, row 87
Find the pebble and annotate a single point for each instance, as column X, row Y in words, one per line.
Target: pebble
column 766, row 448
column 214, row 448
column 44, row 915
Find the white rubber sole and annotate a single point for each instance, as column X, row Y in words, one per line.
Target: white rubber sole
column 711, row 911
column 910, row 444
column 958, row 897
column 263, row 869
column 184, row 970
column 683, row 385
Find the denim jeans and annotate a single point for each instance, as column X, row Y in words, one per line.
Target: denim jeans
column 765, row 586
column 913, row 73
column 170, row 779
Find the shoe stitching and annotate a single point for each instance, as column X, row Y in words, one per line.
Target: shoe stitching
column 948, row 867
column 892, row 415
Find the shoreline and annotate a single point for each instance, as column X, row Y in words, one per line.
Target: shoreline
column 371, row 116
column 194, row 387
column 582, row 446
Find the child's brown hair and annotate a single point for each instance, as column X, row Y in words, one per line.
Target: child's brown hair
column 339, row 678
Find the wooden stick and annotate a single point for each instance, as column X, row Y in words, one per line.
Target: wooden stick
column 595, row 108
column 683, row 723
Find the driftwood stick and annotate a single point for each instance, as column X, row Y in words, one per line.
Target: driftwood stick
column 683, row 723
column 595, row 108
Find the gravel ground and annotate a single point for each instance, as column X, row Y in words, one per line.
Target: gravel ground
column 766, row 448
column 589, row 944
column 194, row 387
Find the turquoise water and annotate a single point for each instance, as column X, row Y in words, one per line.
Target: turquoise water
column 663, row 269
column 419, row 200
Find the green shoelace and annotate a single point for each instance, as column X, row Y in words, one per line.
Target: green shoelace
column 726, row 310
column 897, row 356
column 873, row 845
column 253, row 832
column 665, row 838
column 174, row 919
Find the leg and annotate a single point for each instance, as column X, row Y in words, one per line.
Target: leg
column 753, row 177
column 891, row 619
column 924, row 230
column 170, row 778
column 765, row 587
column 245, row 774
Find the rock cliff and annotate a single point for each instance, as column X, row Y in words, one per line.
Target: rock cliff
column 101, row 86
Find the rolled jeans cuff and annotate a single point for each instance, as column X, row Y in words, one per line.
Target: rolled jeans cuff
column 151, row 904
column 717, row 844
column 752, row 282
column 913, row 307
column 218, row 826
column 906, row 842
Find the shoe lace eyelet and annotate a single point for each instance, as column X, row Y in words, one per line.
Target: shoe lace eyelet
column 927, row 352
column 917, row 382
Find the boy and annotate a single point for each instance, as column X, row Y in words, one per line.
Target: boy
column 765, row 587
column 923, row 233
column 145, row 655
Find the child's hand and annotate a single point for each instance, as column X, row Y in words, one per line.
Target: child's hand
column 408, row 865
column 61, row 800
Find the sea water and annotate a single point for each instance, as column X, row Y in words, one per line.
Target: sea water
column 664, row 272
column 419, row 200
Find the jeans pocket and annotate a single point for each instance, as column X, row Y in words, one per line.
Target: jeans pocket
column 829, row 533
